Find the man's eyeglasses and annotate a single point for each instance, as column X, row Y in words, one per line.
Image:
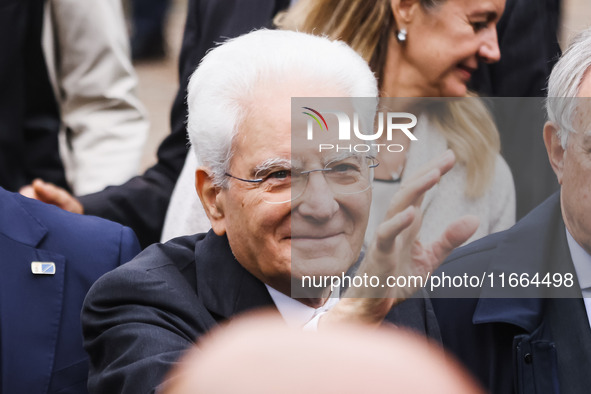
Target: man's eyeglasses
column 344, row 176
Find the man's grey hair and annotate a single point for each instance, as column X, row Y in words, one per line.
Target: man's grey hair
column 565, row 82
column 220, row 90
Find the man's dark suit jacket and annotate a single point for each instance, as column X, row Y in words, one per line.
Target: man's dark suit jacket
column 40, row 334
column 520, row 345
column 140, row 318
column 141, row 203
column 29, row 116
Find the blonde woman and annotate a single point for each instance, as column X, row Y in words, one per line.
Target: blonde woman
column 427, row 48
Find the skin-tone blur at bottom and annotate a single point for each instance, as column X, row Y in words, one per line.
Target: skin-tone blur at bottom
column 259, row 354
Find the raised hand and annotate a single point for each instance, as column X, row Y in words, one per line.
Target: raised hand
column 396, row 250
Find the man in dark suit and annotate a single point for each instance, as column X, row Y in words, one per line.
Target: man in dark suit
column 29, row 117
column 270, row 221
column 142, row 202
column 49, row 260
column 539, row 339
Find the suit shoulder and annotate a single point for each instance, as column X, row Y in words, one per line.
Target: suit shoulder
column 159, row 263
column 72, row 224
column 476, row 255
column 178, row 252
column 541, row 220
column 88, row 242
column 160, row 278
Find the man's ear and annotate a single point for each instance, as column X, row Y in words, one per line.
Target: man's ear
column 404, row 11
column 554, row 149
column 210, row 196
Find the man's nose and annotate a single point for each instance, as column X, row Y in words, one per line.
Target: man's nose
column 318, row 200
column 489, row 51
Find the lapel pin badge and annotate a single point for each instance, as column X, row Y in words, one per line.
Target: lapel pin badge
column 43, row 268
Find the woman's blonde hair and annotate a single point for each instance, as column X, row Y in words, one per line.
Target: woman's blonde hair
column 471, row 133
column 367, row 26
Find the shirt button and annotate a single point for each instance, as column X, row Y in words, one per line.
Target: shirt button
column 527, row 358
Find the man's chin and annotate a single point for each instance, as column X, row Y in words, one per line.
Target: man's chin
column 319, row 265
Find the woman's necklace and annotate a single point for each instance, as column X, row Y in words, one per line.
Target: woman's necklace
column 397, row 174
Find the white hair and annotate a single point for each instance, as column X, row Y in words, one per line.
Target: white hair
column 565, row 82
column 220, row 90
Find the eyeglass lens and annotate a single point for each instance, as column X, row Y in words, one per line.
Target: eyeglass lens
column 347, row 176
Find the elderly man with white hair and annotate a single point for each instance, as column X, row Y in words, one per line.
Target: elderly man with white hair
column 539, row 339
column 268, row 201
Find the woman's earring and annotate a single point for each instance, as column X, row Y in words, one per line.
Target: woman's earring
column 401, row 35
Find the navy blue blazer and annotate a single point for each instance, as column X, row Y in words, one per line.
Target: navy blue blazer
column 140, row 318
column 508, row 343
column 40, row 335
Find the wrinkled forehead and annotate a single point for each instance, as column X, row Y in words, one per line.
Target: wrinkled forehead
column 282, row 112
column 326, row 149
column 306, row 159
column 322, row 160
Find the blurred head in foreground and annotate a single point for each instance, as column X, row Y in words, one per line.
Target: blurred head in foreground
column 259, row 354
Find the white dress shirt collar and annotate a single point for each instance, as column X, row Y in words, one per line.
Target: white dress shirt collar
column 582, row 262
column 294, row 312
